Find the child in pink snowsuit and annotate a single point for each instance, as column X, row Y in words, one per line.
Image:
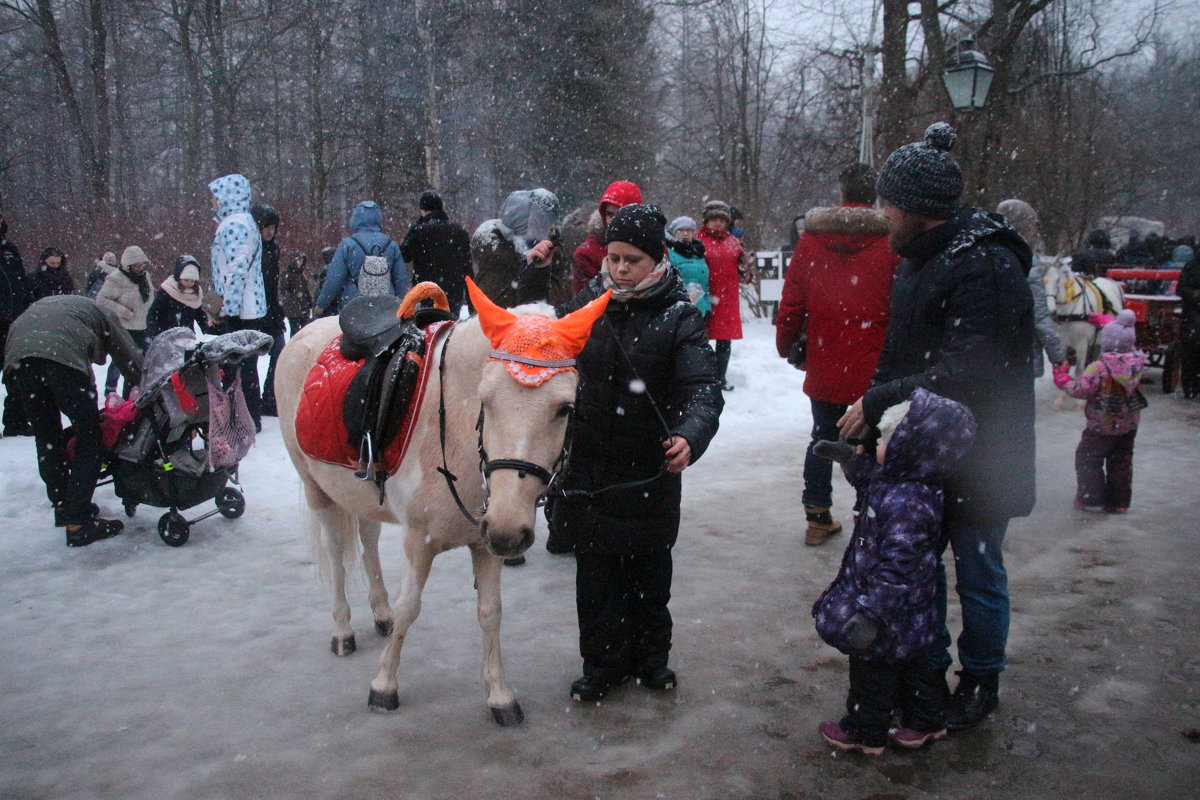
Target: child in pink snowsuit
column 1104, row 458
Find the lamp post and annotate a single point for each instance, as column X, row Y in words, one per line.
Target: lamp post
column 967, row 77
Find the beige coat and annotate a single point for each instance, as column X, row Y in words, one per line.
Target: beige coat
column 120, row 295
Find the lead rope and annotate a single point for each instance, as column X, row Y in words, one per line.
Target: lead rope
column 593, row 493
column 444, row 468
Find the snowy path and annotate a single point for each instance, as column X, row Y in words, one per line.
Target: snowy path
column 134, row 670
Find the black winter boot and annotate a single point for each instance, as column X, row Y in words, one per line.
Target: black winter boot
column 595, row 685
column 973, row 700
column 658, row 678
column 93, row 530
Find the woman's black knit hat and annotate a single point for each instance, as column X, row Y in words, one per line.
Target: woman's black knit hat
column 642, row 226
column 922, row 177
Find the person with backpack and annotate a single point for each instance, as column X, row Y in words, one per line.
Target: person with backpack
column 104, row 266
column 367, row 262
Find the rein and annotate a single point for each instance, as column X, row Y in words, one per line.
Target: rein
column 487, row 465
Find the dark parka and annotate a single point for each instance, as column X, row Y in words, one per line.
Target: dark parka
column 168, row 312
column 46, row 282
column 962, row 326
column 1188, row 290
column 273, row 322
column 440, row 251
column 617, row 435
column 15, row 291
column 889, row 571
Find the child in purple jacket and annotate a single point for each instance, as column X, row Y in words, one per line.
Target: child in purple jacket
column 1104, row 458
column 880, row 608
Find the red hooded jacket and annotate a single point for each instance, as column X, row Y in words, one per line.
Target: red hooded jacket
column 590, row 254
column 839, row 287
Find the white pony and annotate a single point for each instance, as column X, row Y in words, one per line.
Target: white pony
column 1073, row 298
column 521, row 426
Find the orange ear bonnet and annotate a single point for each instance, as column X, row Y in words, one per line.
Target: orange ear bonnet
column 533, row 347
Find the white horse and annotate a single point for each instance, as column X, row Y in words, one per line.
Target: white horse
column 1073, row 298
column 522, row 427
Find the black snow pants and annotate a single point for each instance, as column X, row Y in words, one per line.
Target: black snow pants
column 49, row 389
column 878, row 688
column 621, row 599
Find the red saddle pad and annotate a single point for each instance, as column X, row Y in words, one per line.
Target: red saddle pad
column 320, row 429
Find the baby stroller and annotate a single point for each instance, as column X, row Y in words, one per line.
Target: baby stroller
column 188, row 433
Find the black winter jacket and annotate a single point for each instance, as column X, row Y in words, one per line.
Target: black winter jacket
column 962, row 326
column 273, row 322
column 1188, row 289
column 439, row 250
column 15, row 293
column 616, row 434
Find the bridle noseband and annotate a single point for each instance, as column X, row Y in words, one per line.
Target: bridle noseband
column 488, row 465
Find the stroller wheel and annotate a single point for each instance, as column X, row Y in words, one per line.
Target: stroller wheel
column 231, row 503
column 130, row 508
column 174, row 529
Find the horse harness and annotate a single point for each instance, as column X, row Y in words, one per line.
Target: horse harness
column 489, row 465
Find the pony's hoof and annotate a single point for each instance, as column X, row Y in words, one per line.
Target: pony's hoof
column 383, row 627
column 343, row 645
column 508, row 715
column 383, row 701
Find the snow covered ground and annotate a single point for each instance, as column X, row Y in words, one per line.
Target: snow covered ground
column 135, row 670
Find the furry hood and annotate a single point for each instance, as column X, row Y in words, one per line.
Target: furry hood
column 845, row 230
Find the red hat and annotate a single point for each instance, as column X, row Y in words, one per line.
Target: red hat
column 621, row 194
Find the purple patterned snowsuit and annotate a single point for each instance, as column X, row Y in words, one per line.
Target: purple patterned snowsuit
column 889, row 570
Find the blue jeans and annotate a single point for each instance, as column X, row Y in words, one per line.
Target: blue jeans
column 818, row 472
column 982, row 586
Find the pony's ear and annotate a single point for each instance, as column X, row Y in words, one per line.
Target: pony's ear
column 574, row 329
column 493, row 320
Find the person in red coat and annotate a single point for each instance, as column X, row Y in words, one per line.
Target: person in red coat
column 836, row 295
column 724, row 254
column 590, row 254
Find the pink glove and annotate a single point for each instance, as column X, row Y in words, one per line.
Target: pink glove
column 1062, row 375
column 1100, row 320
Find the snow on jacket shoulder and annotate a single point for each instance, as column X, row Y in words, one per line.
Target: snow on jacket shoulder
column 838, row 291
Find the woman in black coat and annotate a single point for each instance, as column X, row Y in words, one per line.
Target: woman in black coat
column 51, row 276
column 648, row 405
column 177, row 302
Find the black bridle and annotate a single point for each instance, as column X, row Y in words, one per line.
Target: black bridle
column 488, row 465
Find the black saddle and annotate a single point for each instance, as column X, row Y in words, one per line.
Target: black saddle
column 379, row 395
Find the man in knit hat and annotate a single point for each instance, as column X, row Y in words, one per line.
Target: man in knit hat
column 961, row 326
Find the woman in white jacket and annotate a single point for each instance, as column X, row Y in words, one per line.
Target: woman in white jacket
column 126, row 293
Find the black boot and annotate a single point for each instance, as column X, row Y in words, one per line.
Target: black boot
column 973, row 700
column 658, row 678
column 595, row 684
column 93, row 530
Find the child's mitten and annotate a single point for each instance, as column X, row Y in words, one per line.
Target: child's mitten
column 1062, row 375
column 860, row 632
column 840, row 451
column 1100, row 320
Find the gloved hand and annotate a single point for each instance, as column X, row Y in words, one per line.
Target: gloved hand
column 840, row 451
column 860, row 632
column 1062, row 374
column 1100, row 320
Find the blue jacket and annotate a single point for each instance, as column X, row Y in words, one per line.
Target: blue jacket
column 237, row 251
column 366, row 224
column 889, row 571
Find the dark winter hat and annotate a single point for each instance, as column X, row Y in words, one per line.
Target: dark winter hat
column 1119, row 336
column 264, row 215
column 642, row 226
column 922, row 177
column 717, row 208
column 430, row 201
column 327, row 254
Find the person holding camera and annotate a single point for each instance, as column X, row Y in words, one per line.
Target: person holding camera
column 831, row 322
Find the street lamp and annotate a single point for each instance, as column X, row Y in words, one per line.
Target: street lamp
column 967, row 77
